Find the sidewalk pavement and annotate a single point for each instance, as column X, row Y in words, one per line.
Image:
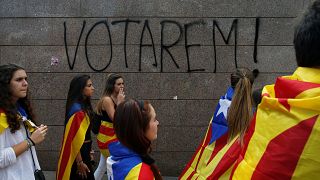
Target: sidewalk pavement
column 51, row 175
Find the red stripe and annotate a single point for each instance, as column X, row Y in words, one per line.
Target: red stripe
column 76, row 122
column 283, row 152
column 219, row 144
column 105, row 145
column 201, row 147
column 106, row 131
column 146, row 172
column 284, row 102
column 287, row 88
column 227, row 160
column 246, row 141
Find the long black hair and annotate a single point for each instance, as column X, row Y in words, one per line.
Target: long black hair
column 75, row 95
column 6, row 104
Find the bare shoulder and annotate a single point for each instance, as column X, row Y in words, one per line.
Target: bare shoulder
column 106, row 100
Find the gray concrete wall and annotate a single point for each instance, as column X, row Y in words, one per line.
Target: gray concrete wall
column 32, row 33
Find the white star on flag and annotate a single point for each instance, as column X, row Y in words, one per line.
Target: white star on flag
column 224, row 106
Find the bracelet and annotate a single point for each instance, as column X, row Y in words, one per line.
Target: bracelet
column 28, row 143
column 33, row 144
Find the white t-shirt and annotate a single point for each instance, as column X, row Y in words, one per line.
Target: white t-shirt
column 12, row 167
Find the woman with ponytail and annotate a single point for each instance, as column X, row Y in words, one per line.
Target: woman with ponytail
column 241, row 108
column 222, row 144
column 136, row 126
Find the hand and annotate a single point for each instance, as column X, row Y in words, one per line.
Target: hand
column 121, row 96
column 82, row 170
column 39, row 134
column 92, row 155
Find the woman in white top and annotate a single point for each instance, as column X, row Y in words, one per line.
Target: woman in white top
column 18, row 159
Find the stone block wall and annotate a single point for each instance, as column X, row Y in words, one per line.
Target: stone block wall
column 163, row 48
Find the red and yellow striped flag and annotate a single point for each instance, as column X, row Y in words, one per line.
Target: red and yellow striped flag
column 106, row 136
column 73, row 138
column 214, row 158
column 283, row 140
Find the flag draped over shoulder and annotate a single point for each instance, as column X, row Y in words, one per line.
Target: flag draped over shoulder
column 282, row 141
column 126, row 164
column 3, row 121
column 214, row 157
column 73, row 138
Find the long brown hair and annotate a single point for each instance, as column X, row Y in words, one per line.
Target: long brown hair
column 240, row 111
column 131, row 121
column 108, row 90
column 6, row 73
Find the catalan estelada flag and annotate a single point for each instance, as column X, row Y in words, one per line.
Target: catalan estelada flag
column 105, row 136
column 73, row 138
column 282, row 141
column 4, row 123
column 126, row 164
column 214, row 157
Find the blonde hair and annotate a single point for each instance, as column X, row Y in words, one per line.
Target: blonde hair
column 240, row 111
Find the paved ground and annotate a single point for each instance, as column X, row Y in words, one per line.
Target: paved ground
column 51, row 175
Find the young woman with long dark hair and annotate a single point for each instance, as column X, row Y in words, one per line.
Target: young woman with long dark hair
column 18, row 132
column 136, row 126
column 75, row 159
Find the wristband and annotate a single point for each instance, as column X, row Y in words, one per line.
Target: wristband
column 33, row 144
column 28, row 143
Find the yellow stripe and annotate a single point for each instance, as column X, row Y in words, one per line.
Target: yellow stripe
column 134, row 172
column 104, row 138
column 306, row 75
column 66, row 132
column 271, row 112
column 226, row 175
column 76, row 144
column 196, row 158
column 205, row 170
column 3, row 122
column 309, row 162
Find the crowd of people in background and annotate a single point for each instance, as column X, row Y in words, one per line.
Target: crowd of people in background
column 269, row 133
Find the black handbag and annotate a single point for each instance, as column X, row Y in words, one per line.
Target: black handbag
column 38, row 175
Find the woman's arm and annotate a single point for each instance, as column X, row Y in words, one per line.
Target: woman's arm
column 82, row 168
column 9, row 155
column 108, row 106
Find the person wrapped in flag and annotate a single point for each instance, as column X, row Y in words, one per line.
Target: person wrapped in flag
column 113, row 95
column 18, row 132
column 221, row 146
column 136, row 126
column 75, row 159
column 283, row 139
